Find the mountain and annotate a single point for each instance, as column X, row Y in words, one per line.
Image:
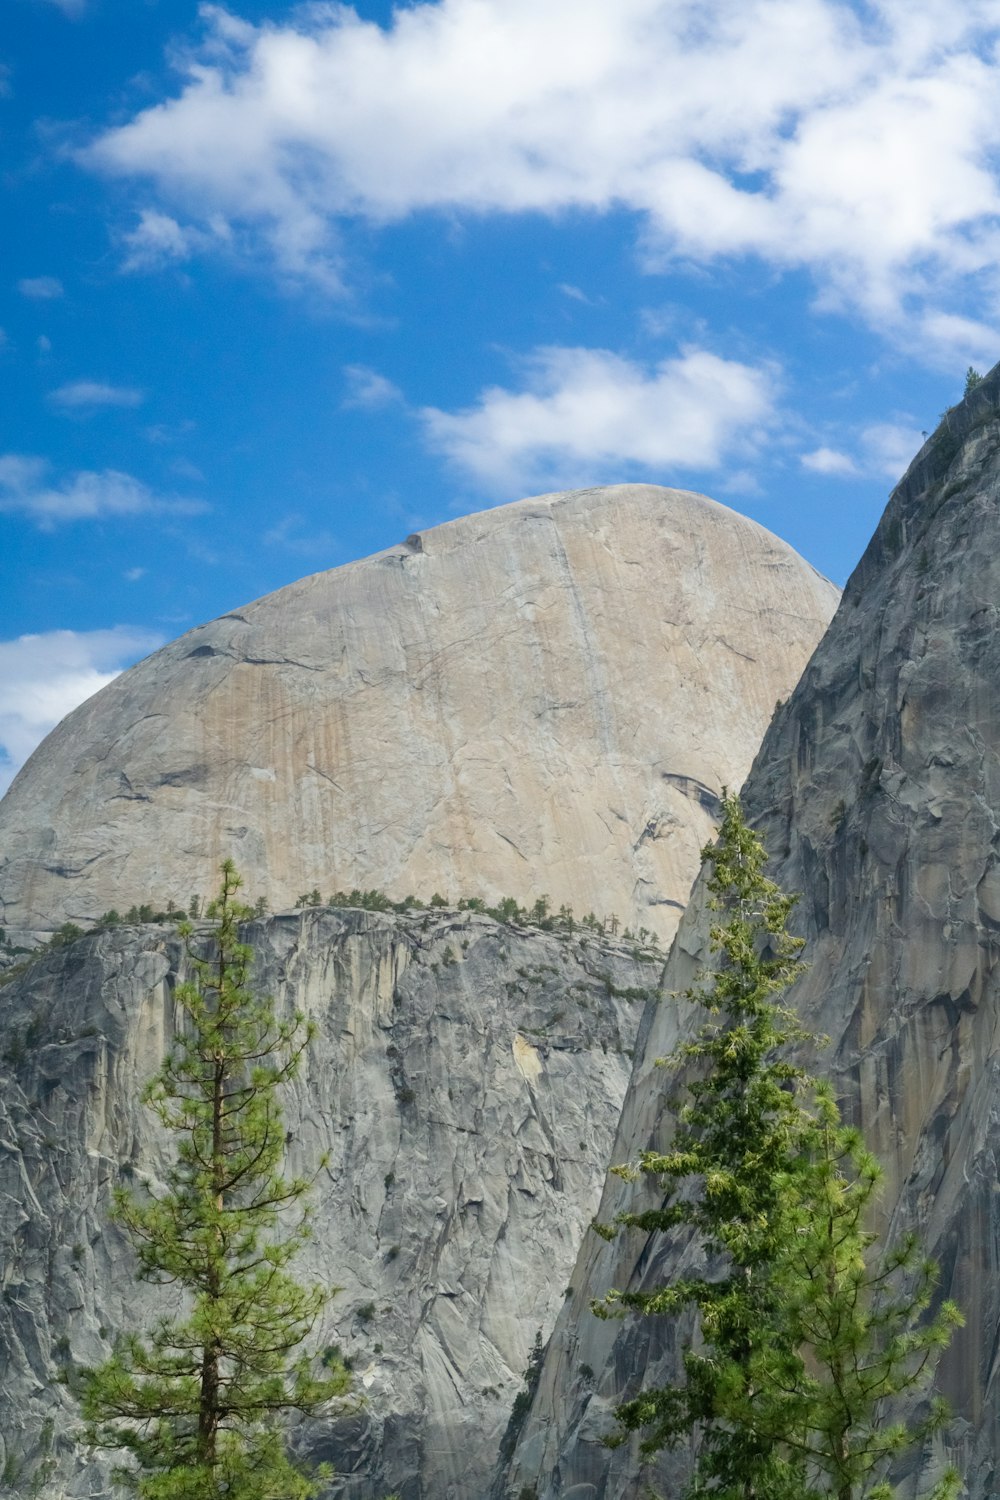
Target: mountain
column 877, row 792
column 464, row 1083
column 542, row 699
column 545, row 699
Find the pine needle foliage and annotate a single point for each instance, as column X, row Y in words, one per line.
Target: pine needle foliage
column 737, row 1137
column 197, row 1401
column 802, row 1332
column 859, row 1320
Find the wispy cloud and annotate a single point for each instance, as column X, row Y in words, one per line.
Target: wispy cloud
column 861, row 144
column 368, row 390
column 159, row 239
column 290, row 533
column 89, row 394
column 41, row 288
column 28, row 486
column 888, row 447
column 588, row 414
column 44, row 677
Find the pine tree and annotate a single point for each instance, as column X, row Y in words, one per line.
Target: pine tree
column 197, row 1400
column 804, row 1333
column 738, row 1135
column 857, row 1317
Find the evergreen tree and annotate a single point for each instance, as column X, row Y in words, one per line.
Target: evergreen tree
column 857, row 1319
column 738, row 1135
column 197, row 1400
column 802, row 1336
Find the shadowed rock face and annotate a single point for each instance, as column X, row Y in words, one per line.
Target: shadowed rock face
column 877, row 791
column 465, row 1081
column 543, row 698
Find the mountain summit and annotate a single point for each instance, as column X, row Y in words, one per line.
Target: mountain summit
column 542, row 699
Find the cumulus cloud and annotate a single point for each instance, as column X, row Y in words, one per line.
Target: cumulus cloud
column 830, row 461
column 43, row 677
column 41, row 288
column 882, row 450
column 862, row 145
column 585, row 414
column 89, row 394
column 27, row 486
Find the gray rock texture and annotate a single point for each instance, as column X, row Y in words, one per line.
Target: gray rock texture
column 542, row 698
column 877, row 791
column 466, row 1080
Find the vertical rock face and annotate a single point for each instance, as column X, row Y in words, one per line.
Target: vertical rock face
column 543, row 698
column 877, row 791
column 465, row 1083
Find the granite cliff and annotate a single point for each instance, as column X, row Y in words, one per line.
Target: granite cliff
column 877, row 791
column 465, row 1081
column 544, row 698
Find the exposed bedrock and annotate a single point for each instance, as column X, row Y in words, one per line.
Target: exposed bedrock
column 465, row 1081
column 877, row 790
column 544, row 698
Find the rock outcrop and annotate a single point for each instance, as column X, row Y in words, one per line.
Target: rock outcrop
column 877, row 791
column 465, row 1081
column 545, row 698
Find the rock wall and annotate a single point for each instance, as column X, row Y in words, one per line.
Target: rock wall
column 465, row 1081
column 544, row 698
column 877, row 791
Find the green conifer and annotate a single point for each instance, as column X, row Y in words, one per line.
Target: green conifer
column 802, row 1332
column 197, row 1400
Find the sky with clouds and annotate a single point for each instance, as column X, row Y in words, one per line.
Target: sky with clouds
column 283, row 283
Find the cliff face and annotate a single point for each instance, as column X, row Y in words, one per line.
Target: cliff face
column 877, row 791
column 465, row 1082
column 542, row 698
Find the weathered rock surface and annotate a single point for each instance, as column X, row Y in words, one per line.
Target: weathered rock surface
column 877, row 791
column 541, row 698
column 465, row 1080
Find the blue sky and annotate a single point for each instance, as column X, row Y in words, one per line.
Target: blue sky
column 283, row 283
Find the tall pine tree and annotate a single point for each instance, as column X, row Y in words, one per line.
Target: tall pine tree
column 197, row 1400
column 802, row 1334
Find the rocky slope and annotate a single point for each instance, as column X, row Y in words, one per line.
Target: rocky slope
column 541, row 698
column 465, row 1080
column 877, row 791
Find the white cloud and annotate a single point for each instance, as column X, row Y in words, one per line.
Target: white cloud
column 588, row 414
column 574, row 293
column 830, row 461
column 27, row 486
column 72, row 8
column 41, row 288
column 889, row 447
column 368, row 390
column 43, row 677
column 862, row 145
column 288, row 534
column 83, row 394
column 158, row 239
